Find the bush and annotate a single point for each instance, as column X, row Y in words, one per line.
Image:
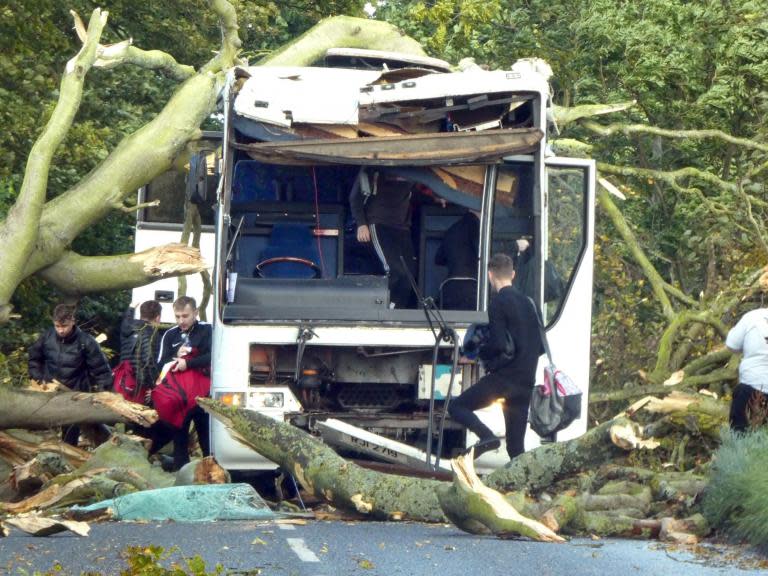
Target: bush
column 736, row 500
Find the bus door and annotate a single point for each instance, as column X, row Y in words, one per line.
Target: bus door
column 544, row 219
column 566, row 267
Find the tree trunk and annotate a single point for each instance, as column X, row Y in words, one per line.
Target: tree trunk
column 542, row 467
column 467, row 502
column 38, row 410
column 325, row 474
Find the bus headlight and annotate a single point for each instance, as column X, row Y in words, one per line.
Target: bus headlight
column 234, row 399
column 266, row 400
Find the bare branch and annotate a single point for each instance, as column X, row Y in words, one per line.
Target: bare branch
column 626, row 129
column 655, row 279
column 671, row 177
column 113, row 55
column 136, row 207
column 564, row 116
column 230, row 40
column 20, row 227
column 680, row 321
column 342, row 32
column 73, row 274
column 756, row 228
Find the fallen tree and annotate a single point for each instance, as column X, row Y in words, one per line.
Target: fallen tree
column 603, row 505
column 31, row 409
column 590, row 484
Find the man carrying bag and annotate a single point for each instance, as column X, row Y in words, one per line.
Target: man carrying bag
column 510, row 355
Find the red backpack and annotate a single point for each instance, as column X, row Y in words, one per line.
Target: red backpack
column 177, row 394
column 124, row 383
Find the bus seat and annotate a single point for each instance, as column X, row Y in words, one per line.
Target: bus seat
column 290, row 253
column 250, row 185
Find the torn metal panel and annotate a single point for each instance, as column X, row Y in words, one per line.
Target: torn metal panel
column 284, row 95
column 410, row 150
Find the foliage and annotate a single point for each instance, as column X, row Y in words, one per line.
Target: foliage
column 736, row 500
column 146, row 561
column 36, row 40
column 689, row 65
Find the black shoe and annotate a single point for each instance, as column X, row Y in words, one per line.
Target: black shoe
column 484, row 446
column 167, row 463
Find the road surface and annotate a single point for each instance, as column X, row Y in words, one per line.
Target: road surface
column 323, row 548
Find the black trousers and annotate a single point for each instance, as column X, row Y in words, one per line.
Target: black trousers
column 747, row 407
column 516, row 394
column 161, row 433
column 390, row 244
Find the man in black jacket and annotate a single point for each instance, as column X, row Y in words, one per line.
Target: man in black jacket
column 510, row 356
column 69, row 355
column 186, row 347
column 381, row 206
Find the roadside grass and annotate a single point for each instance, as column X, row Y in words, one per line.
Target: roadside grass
column 736, row 500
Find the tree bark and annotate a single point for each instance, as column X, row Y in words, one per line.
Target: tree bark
column 41, row 232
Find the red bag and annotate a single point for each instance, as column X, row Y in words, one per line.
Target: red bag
column 177, row 394
column 124, row 383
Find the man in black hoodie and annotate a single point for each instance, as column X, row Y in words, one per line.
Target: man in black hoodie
column 510, row 355
column 67, row 354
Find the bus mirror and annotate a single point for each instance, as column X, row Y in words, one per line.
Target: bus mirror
column 164, row 295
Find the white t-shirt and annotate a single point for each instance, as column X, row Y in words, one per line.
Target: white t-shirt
column 750, row 336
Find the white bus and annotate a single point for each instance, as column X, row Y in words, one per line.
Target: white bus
column 194, row 178
column 303, row 326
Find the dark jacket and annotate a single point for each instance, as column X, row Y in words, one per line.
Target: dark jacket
column 140, row 345
column 381, row 201
column 511, row 314
column 75, row 360
column 459, row 248
column 199, row 339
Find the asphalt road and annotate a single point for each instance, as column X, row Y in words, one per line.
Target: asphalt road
column 360, row 548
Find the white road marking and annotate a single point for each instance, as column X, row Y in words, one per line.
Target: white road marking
column 286, row 527
column 300, row 548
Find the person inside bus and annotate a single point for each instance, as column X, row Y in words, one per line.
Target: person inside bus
column 458, row 252
column 554, row 288
column 380, row 204
column 67, row 354
column 510, row 356
column 185, row 350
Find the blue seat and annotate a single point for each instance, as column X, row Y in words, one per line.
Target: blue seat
column 290, row 253
column 252, row 183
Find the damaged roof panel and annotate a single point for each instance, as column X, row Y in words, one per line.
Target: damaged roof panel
column 411, row 150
